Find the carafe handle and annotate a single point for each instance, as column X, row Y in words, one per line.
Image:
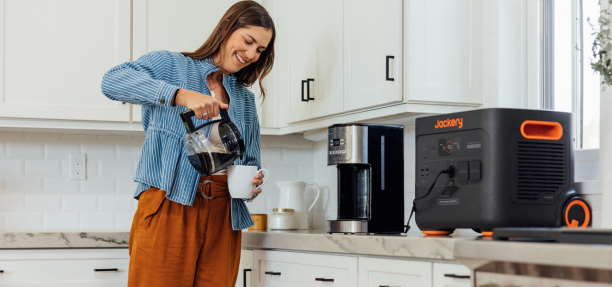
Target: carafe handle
column 316, row 198
column 190, row 127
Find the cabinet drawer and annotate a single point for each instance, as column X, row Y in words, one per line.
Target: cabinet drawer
column 300, row 269
column 446, row 274
column 63, row 267
column 374, row 272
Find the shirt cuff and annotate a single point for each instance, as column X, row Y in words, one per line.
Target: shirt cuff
column 165, row 94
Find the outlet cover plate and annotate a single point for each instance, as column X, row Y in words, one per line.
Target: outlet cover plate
column 77, row 166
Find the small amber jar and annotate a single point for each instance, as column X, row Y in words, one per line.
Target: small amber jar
column 260, row 220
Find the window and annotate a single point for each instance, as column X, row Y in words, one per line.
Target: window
column 569, row 84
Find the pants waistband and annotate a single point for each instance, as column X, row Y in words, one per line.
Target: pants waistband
column 213, row 186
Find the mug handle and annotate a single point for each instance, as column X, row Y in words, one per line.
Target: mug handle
column 265, row 177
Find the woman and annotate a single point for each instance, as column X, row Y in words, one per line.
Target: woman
column 178, row 236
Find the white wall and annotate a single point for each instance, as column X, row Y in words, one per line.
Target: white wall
column 36, row 193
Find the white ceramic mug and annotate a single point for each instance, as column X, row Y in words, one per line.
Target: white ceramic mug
column 239, row 179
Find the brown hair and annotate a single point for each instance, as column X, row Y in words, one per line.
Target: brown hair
column 240, row 15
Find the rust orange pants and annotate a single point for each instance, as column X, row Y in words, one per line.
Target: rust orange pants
column 178, row 245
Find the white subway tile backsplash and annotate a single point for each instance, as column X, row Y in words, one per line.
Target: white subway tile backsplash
column 81, row 138
column 24, row 220
column 37, row 137
column 12, row 166
column 115, row 203
column 61, row 220
column 17, row 149
column 93, row 168
column 34, row 173
column 80, row 203
column 30, row 185
column 43, row 203
column 106, row 151
column 307, row 172
column 124, row 220
column 98, row 186
column 127, row 151
column 116, row 168
column 43, row 167
column 272, row 155
column 60, row 185
column 61, row 150
column 126, row 186
column 12, row 202
column 298, row 156
column 98, row 220
column 12, row 136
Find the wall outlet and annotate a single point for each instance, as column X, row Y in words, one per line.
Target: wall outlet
column 77, row 166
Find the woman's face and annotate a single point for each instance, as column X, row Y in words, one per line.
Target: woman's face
column 243, row 48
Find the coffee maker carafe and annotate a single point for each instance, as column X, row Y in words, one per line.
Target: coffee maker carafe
column 370, row 164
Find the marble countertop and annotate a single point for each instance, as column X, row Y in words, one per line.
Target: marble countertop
column 60, row 239
column 413, row 245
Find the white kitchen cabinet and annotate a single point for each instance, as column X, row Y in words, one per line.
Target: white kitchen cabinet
column 245, row 274
column 373, row 53
column 64, row 267
column 54, row 54
column 444, row 51
column 310, row 32
column 451, row 275
column 277, row 268
column 375, row 272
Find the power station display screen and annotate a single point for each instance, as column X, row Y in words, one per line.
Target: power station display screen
column 450, row 146
column 336, row 142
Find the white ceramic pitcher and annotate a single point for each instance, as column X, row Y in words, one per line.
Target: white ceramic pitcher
column 292, row 196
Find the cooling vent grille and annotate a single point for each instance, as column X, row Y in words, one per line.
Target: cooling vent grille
column 542, row 170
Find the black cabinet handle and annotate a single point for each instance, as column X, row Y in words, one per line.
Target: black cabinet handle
column 457, row 276
column 1, row 271
column 272, row 273
column 304, row 99
column 244, row 276
column 308, row 87
column 387, row 60
column 324, row 280
column 106, row 270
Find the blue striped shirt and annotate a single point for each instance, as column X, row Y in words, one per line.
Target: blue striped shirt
column 151, row 82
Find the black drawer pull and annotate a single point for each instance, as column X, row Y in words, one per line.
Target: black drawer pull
column 387, row 76
column 324, row 280
column 106, row 270
column 457, row 276
column 244, row 276
column 272, row 273
column 1, row 271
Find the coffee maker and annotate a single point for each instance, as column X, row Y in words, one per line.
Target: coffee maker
column 370, row 163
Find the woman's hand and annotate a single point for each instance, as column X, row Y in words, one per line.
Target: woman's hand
column 257, row 180
column 204, row 106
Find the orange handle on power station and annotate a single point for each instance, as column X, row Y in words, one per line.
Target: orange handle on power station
column 540, row 130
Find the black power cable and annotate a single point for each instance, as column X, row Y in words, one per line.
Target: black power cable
column 450, row 171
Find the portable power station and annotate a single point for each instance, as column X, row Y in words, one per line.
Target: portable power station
column 496, row 167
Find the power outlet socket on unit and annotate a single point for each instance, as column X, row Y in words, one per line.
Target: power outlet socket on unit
column 77, row 166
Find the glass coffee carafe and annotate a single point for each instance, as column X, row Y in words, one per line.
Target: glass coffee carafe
column 212, row 146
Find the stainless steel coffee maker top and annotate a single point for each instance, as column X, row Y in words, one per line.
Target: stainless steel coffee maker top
column 347, row 144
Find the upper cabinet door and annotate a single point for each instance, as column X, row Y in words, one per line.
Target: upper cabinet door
column 444, row 48
column 178, row 26
column 303, row 56
column 373, row 53
column 54, row 55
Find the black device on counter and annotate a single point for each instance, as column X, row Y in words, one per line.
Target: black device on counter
column 370, row 164
column 510, row 168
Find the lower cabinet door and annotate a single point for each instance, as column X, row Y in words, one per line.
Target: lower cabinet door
column 279, row 268
column 246, row 268
column 451, row 275
column 374, row 272
column 64, row 267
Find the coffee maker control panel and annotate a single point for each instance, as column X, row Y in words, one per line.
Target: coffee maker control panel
column 347, row 144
